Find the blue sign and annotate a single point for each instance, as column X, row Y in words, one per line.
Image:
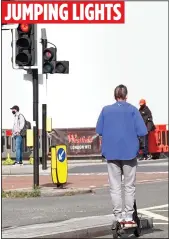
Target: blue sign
column 61, row 155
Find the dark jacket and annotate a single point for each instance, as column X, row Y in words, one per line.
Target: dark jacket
column 147, row 117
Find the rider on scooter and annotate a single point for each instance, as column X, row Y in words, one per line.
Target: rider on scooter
column 120, row 124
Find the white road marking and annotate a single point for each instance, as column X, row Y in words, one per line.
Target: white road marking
column 154, row 172
column 38, row 217
column 161, row 210
column 153, row 164
column 155, row 207
column 160, row 223
column 92, row 186
column 147, row 212
column 153, row 215
column 165, row 172
column 105, row 185
column 78, row 174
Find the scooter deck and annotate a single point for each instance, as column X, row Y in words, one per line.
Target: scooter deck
column 125, row 227
column 120, row 228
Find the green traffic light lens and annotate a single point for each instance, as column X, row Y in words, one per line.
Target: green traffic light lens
column 48, row 68
column 23, row 59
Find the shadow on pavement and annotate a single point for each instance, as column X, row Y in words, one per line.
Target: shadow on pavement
column 145, row 232
column 131, row 235
column 52, row 185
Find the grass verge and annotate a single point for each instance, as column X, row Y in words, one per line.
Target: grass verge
column 21, row 194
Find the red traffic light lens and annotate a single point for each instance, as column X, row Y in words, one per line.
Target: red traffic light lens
column 48, row 55
column 25, row 27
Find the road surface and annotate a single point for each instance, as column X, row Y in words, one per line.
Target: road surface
column 20, row 212
column 143, row 166
column 17, row 212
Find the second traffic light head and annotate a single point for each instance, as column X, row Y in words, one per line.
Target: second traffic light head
column 49, row 58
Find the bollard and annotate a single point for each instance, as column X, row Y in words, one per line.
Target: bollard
column 59, row 165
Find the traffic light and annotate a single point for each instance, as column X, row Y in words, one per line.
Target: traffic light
column 62, row 67
column 50, row 64
column 49, row 59
column 26, row 45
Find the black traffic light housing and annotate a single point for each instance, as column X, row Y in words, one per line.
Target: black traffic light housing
column 25, row 45
column 50, row 63
column 49, row 59
column 62, row 67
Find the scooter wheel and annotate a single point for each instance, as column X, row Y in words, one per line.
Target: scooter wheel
column 116, row 230
column 137, row 232
column 115, row 234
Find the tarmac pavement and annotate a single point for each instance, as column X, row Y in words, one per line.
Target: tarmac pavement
column 80, row 216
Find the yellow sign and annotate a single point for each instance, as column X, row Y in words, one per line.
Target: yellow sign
column 62, row 167
column 49, row 124
column 29, row 138
column 59, row 166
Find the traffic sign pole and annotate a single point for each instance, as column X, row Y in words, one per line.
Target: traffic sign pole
column 44, row 137
column 35, row 128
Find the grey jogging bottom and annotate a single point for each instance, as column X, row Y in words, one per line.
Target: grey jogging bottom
column 115, row 170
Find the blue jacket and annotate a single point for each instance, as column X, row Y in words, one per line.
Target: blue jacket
column 120, row 125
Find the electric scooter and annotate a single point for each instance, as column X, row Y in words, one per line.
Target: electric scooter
column 119, row 228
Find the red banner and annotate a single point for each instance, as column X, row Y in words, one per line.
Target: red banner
column 78, row 12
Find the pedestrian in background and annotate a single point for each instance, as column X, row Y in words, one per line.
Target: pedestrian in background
column 120, row 125
column 18, row 126
column 148, row 120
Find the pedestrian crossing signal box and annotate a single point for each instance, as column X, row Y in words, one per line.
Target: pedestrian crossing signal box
column 59, row 165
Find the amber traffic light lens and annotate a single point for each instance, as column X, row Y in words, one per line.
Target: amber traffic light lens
column 23, row 42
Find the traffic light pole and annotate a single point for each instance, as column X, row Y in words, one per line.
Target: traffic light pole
column 35, row 128
column 44, row 137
